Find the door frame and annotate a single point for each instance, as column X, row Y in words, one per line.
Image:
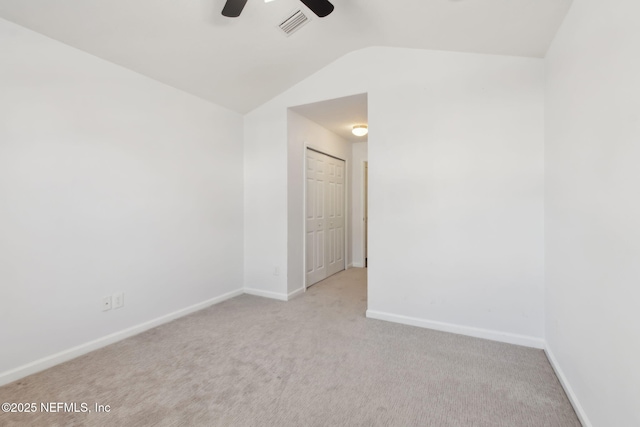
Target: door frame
column 364, row 198
column 347, row 183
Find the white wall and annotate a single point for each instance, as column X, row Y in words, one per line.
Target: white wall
column 358, row 156
column 109, row 181
column 303, row 132
column 265, row 203
column 456, row 194
column 592, row 232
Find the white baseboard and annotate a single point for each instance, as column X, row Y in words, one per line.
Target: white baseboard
column 274, row 295
column 295, row 293
column 582, row 416
column 266, row 294
column 488, row 334
column 357, row 265
column 66, row 355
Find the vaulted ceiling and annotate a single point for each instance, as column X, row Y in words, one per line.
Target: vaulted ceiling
column 240, row 63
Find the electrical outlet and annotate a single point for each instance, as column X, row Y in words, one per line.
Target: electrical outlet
column 118, row 299
column 106, row 303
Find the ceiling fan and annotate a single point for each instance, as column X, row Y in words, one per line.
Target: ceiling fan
column 322, row 8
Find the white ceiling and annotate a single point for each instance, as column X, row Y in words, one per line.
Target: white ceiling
column 242, row 62
column 338, row 115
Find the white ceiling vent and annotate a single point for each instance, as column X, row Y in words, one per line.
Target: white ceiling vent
column 293, row 22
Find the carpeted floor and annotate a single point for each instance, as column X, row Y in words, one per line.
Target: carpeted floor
column 312, row 361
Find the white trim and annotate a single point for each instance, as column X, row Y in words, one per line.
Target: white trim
column 274, row 295
column 364, row 198
column 577, row 407
column 304, row 216
column 357, row 265
column 266, row 294
column 295, row 293
column 72, row 353
column 488, row 334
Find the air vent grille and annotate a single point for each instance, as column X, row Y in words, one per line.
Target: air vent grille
column 293, row 22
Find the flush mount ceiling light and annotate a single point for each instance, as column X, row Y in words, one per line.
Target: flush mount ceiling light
column 360, row 130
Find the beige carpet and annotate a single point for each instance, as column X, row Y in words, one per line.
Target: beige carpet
column 312, row 361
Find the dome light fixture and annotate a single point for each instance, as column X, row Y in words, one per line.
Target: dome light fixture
column 360, row 130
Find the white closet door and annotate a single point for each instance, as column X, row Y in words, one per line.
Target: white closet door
column 315, row 220
column 335, row 216
column 325, row 216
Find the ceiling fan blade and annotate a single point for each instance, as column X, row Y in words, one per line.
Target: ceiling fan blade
column 233, row 8
column 320, row 7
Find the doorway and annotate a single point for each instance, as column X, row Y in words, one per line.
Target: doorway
column 325, row 217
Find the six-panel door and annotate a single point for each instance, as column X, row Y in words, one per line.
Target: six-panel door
column 325, row 216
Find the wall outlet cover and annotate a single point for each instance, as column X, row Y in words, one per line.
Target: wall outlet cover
column 106, row 303
column 118, row 299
